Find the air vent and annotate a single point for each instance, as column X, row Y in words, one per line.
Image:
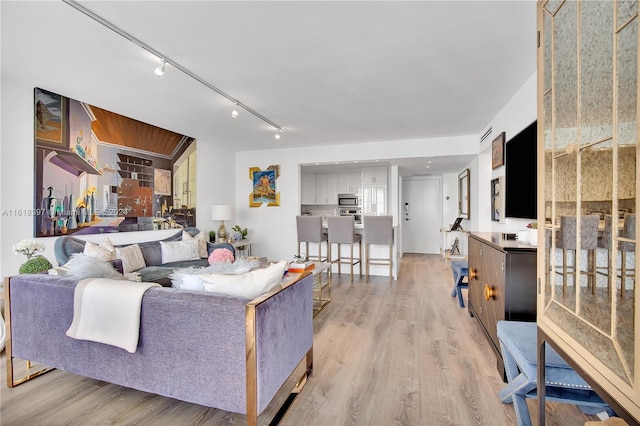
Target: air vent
column 486, row 134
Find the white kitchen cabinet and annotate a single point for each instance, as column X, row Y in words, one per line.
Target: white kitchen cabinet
column 374, row 200
column 308, row 189
column 349, row 183
column 327, row 188
column 374, row 175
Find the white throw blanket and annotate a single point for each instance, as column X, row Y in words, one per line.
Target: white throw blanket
column 108, row 311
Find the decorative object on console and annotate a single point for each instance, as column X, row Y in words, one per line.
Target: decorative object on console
column 497, row 151
column 264, row 186
column 222, row 212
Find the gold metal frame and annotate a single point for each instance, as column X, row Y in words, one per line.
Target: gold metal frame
column 251, row 360
column 11, row 382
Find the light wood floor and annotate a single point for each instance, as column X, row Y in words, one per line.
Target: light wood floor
column 402, row 353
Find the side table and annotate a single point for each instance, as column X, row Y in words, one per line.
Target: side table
column 321, row 286
column 243, row 248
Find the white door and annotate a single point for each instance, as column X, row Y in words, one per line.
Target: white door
column 421, row 216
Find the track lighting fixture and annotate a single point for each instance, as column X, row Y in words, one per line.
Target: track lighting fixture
column 159, row 71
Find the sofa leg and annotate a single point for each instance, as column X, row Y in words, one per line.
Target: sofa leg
column 11, row 380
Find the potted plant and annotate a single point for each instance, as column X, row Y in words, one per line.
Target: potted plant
column 239, row 233
column 34, row 264
column 212, row 236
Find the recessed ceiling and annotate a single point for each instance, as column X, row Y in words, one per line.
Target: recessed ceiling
column 330, row 72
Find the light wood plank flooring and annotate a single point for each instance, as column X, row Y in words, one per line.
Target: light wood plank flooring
column 402, row 353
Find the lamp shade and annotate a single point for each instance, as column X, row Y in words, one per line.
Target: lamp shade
column 221, row 212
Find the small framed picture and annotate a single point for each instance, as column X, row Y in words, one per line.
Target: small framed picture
column 497, row 151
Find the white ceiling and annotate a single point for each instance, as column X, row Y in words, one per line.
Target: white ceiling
column 330, row 72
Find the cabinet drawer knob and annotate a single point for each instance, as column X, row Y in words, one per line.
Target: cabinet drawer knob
column 473, row 273
column 489, row 292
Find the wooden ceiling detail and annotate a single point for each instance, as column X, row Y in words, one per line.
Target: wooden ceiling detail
column 117, row 129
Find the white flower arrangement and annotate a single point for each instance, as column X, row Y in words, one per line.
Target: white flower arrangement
column 28, row 247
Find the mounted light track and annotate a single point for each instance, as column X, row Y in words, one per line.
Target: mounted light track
column 171, row 62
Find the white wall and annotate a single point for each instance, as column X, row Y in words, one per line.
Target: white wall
column 272, row 230
column 449, row 199
column 516, row 115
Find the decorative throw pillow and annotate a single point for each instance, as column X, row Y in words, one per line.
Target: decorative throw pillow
column 249, row 285
column 187, row 279
column 105, row 250
column 131, row 257
column 202, row 242
column 81, row 266
column 177, row 251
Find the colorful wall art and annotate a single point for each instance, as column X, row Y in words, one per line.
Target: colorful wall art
column 264, row 186
column 98, row 172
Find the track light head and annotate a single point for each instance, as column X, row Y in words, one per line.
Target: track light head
column 159, row 71
column 234, row 113
column 278, row 133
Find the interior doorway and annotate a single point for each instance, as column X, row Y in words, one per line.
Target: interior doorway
column 421, row 214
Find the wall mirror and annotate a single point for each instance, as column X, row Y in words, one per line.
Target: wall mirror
column 464, row 200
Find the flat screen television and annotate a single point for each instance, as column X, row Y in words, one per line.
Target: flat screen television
column 521, row 174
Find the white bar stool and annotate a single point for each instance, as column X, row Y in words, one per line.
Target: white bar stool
column 342, row 231
column 378, row 230
column 310, row 231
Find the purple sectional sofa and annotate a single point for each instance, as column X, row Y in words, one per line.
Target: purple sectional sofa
column 219, row 351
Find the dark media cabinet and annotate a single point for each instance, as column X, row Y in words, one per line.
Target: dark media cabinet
column 502, row 284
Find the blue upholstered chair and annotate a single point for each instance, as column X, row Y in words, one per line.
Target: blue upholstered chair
column 460, row 269
column 518, row 344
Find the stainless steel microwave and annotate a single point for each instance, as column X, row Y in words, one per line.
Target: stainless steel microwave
column 348, row 200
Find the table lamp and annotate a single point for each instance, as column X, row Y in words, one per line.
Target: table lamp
column 222, row 212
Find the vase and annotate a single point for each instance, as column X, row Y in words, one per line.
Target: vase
column 533, row 237
column 72, row 222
